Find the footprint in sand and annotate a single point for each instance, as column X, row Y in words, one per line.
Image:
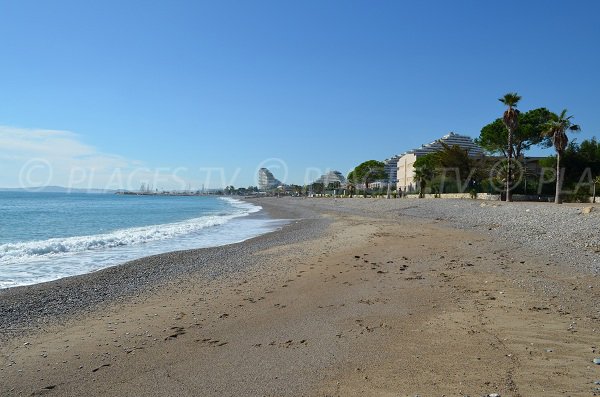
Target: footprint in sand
column 287, row 344
column 43, row 391
column 212, row 342
column 416, row 276
column 177, row 331
column 103, row 365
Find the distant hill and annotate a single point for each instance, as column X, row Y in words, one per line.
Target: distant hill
column 56, row 189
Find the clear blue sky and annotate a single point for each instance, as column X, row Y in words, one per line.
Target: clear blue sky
column 176, row 87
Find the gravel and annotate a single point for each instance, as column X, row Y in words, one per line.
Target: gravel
column 559, row 231
column 562, row 232
column 563, row 237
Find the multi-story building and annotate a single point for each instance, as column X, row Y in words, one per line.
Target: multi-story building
column 266, row 180
column 332, row 177
column 406, row 170
column 391, row 169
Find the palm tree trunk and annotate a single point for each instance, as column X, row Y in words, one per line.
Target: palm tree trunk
column 557, row 199
column 509, row 170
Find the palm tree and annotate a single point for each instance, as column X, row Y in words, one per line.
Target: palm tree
column 422, row 175
column 511, row 121
column 351, row 189
column 556, row 130
column 596, row 181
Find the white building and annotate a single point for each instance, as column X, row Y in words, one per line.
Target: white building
column 266, row 180
column 391, row 169
column 331, row 177
column 406, row 169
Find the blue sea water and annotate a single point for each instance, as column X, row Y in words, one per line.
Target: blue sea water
column 46, row 236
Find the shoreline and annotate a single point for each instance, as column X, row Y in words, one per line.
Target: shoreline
column 362, row 297
column 26, row 308
column 39, row 258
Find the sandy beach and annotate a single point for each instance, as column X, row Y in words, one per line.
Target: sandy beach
column 353, row 297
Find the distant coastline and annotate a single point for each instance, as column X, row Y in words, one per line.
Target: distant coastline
column 62, row 189
column 166, row 193
column 56, row 189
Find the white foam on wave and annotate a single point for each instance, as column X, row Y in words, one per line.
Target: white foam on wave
column 14, row 253
column 242, row 205
column 41, row 261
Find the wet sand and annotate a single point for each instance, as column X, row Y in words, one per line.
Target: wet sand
column 347, row 301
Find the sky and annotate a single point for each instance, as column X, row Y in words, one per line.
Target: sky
column 112, row 94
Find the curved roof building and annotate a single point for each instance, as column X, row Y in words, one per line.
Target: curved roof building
column 266, row 180
column 451, row 139
column 405, row 173
column 331, row 177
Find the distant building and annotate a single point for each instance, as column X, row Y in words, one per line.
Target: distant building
column 391, row 169
column 376, row 185
column 266, row 180
column 406, row 170
column 331, row 177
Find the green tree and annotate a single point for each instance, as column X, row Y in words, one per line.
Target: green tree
column 589, row 151
column 579, row 159
column 510, row 119
column 351, row 188
column 494, row 136
column 579, row 164
column 557, row 132
column 333, row 185
column 457, row 159
column 296, row 189
column 367, row 172
column 317, row 187
column 425, row 171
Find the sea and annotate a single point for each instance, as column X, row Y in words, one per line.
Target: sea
column 47, row 236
